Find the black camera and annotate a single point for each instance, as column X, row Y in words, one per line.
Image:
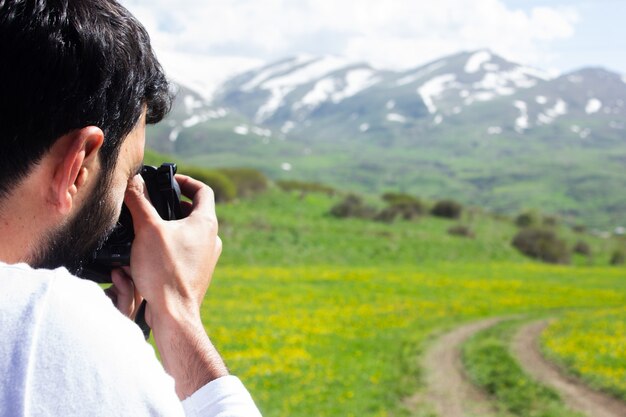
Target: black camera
column 164, row 194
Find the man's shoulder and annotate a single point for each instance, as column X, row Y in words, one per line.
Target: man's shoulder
column 68, row 337
column 21, row 284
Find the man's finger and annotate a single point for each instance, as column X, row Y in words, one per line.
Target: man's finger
column 138, row 203
column 125, row 291
column 201, row 195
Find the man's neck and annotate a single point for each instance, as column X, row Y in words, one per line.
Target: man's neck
column 24, row 221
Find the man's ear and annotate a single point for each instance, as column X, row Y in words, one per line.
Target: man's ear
column 76, row 160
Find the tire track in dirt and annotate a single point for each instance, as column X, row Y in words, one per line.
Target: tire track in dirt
column 448, row 389
column 575, row 394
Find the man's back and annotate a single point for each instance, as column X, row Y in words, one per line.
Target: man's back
column 58, row 335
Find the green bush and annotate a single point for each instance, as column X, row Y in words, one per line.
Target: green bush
column 305, row 187
column 223, row 188
column 550, row 221
column 462, row 231
column 352, row 206
column 448, row 209
column 528, row 219
column 579, row 228
column 541, row 244
column 248, row 181
column 387, row 215
column 404, row 205
column 582, row 248
column 618, row 257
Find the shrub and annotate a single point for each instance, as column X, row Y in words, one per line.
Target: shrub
column 527, row 219
column 399, row 198
column 461, row 230
column 387, row 215
column 305, row 187
column 618, row 257
column 582, row 248
column 403, row 205
column 223, row 188
column 248, row 181
column 579, row 228
column 550, row 221
column 447, row 209
column 352, row 206
column 541, row 244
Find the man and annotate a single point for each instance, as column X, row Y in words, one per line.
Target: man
column 78, row 83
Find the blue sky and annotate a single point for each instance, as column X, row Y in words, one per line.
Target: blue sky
column 207, row 41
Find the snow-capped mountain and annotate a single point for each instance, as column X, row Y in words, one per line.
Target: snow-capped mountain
column 502, row 122
column 317, row 96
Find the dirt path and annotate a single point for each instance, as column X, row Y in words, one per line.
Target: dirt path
column 448, row 389
column 575, row 394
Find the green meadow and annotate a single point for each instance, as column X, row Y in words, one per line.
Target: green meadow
column 321, row 316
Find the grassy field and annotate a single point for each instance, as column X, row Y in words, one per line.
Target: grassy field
column 327, row 317
column 592, row 346
column 490, row 365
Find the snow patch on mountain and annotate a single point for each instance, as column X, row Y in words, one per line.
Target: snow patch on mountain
column 494, row 130
column 593, row 106
column 308, row 73
column 241, row 130
column 287, row 127
column 504, row 83
column 559, row 109
column 498, row 83
column 364, row 127
column 259, row 131
column 277, row 97
column 319, row 94
column 433, row 88
column 550, row 114
column 475, row 61
column 541, row 99
column 281, row 85
column 192, row 103
column 521, row 123
column 420, row 74
column 491, row 67
column 583, row 133
column 204, row 117
column 522, row 77
column 395, row 117
column 274, row 70
column 484, row 96
column 329, row 88
column 173, row 137
column 356, row 81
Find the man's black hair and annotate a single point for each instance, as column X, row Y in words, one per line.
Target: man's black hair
column 67, row 64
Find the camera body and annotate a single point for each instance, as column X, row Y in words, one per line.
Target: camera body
column 164, row 194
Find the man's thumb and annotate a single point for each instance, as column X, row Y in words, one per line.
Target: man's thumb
column 136, row 199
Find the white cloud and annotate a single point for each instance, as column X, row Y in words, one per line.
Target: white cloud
column 392, row 34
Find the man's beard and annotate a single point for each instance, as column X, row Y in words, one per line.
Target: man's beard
column 73, row 244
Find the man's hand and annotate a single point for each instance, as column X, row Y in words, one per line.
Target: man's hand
column 172, row 263
column 123, row 293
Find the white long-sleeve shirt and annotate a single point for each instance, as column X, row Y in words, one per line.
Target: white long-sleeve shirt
column 65, row 350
